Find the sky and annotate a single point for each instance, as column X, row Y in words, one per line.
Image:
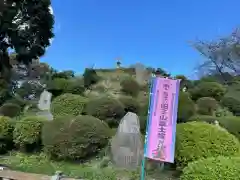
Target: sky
column 155, row 33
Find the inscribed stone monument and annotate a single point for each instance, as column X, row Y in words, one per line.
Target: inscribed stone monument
column 126, row 145
column 44, row 105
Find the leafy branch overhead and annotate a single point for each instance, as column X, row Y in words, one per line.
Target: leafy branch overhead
column 26, row 27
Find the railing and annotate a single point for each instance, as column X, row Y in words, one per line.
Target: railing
column 15, row 175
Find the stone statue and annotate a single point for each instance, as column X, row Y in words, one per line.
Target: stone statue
column 44, row 105
column 126, row 145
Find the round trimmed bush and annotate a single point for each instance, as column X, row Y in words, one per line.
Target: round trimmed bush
column 76, row 138
column 232, row 104
column 232, row 123
column 208, row 89
column 107, row 109
column 27, row 133
column 10, row 110
column 130, row 104
column 206, row 105
column 186, row 107
column 196, row 140
column 203, row 118
column 6, row 136
column 219, row 168
column 68, row 104
column 130, row 87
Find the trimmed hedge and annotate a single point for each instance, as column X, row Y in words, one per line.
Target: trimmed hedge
column 206, row 105
column 219, row 168
column 76, row 138
column 186, row 107
column 27, row 133
column 130, row 104
column 130, row 87
column 203, row 118
column 231, row 123
column 10, row 110
column 68, row 104
column 232, row 104
column 6, row 134
column 208, row 89
column 196, row 140
column 107, row 109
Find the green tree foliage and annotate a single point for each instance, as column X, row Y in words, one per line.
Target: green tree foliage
column 28, row 42
column 206, row 105
column 232, row 104
column 130, row 104
column 58, row 86
column 130, row 87
column 10, row 110
column 6, row 134
column 90, row 77
column 63, row 74
column 68, row 104
column 185, row 82
column 196, row 140
column 107, row 109
column 224, row 168
column 79, row 138
column 27, row 133
column 208, row 89
column 186, row 107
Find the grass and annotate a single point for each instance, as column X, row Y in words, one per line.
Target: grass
column 92, row 170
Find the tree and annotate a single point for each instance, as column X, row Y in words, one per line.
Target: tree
column 222, row 55
column 90, row 77
column 26, row 27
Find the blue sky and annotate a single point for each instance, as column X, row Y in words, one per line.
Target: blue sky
column 153, row 32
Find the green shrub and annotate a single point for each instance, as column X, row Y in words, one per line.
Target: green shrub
column 231, row 124
column 68, row 104
column 130, row 87
column 232, row 104
column 203, row 118
column 130, row 104
column 75, row 88
column 143, row 123
column 10, row 110
column 196, row 140
column 222, row 112
column 107, row 109
column 186, row 107
column 76, row 138
column 220, row 168
column 208, row 89
column 6, row 134
column 90, row 77
column 206, row 105
column 27, row 133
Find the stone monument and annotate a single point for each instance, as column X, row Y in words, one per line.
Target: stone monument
column 44, row 104
column 126, row 145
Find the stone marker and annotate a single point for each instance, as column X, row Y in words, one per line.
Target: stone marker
column 44, row 105
column 126, row 145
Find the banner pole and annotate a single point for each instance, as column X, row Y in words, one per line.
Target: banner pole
column 145, row 141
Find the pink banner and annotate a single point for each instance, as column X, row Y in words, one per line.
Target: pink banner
column 160, row 140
